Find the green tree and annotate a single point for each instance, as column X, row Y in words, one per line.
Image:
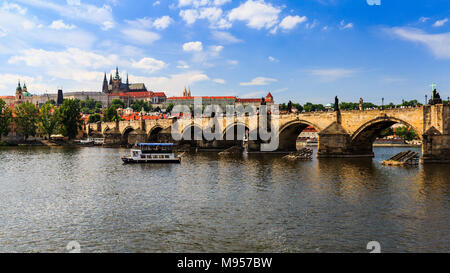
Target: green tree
column 117, row 103
column 27, row 118
column 110, row 114
column 309, row 107
column 406, row 133
column 138, row 105
column 169, row 108
column 48, row 120
column 94, row 118
column 70, row 118
column 5, row 118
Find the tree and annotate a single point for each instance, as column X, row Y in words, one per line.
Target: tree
column 70, row 118
column 309, row 107
column 117, row 103
column 110, row 114
column 406, row 133
column 48, row 120
column 5, row 118
column 27, row 118
column 138, row 105
column 94, row 118
column 169, row 108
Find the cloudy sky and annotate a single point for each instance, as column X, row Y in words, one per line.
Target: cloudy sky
column 300, row 50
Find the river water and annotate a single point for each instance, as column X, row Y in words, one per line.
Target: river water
column 209, row 203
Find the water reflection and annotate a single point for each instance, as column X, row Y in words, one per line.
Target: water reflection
column 212, row 203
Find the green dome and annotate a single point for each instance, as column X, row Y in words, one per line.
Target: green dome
column 26, row 94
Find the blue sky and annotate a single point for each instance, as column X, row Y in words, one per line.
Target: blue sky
column 304, row 50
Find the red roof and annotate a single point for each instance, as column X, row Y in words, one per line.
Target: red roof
column 147, row 94
column 210, row 98
column 248, row 100
column 7, row 97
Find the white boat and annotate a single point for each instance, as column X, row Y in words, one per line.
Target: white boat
column 152, row 153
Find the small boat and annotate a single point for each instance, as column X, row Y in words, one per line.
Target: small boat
column 152, row 153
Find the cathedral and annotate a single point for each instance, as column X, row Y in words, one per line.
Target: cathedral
column 115, row 85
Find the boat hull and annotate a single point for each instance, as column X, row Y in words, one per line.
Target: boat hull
column 128, row 160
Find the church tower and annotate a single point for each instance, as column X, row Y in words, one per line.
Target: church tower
column 105, row 85
column 116, row 82
column 19, row 92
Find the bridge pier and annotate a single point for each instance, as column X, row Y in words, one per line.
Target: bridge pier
column 334, row 141
column 436, row 139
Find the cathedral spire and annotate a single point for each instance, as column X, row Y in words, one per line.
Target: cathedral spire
column 110, row 78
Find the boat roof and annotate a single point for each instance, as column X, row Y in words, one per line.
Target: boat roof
column 155, row 144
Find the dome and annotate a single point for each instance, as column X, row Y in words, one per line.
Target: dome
column 26, row 94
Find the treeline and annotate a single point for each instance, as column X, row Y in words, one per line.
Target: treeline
column 30, row 120
column 402, row 132
column 310, row 107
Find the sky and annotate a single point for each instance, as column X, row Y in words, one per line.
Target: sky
column 299, row 50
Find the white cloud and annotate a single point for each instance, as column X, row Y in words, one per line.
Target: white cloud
column 440, row 23
column 332, row 74
column 259, row 81
column 213, row 14
column 149, row 64
column 193, row 46
column 257, row 13
column 182, row 65
column 156, row 3
column 219, row 81
column 77, row 10
column 289, row 22
column 225, row 37
column 272, row 59
column 59, row 24
column 344, row 25
column 163, row 22
column 140, row 36
column 11, row 7
column 423, row 19
column 145, row 23
column 439, row 44
column 216, row 49
column 233, row 62
column 173, row 84
column 26, row 30
column 71, row 57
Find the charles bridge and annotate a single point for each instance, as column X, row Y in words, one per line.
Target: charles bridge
column 341, row 133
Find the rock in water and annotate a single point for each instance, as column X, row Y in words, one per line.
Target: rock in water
column 302, row 154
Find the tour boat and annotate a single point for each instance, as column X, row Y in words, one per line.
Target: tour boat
column 152, row 153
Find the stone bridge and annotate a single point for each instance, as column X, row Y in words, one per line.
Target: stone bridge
column 341, row 133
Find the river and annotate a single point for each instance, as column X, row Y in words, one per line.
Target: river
column 209, row 203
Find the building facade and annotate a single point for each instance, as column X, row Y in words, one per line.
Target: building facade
column 222, row 101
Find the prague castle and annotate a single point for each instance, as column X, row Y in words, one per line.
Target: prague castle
column 115, row 85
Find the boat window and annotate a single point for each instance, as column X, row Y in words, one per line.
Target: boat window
column 135, row 154
column 155, row 156
column 166, row 156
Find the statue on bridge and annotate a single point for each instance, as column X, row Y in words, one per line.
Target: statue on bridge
column 361, row 102
column 289, row 106
column 336, row 104
column 436, row 98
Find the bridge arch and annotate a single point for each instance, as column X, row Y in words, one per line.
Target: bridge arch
column 125, row 133
column 192, row 133
column 289, row 132
column 235, row 134
column 153, row 134
column 363, row 138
